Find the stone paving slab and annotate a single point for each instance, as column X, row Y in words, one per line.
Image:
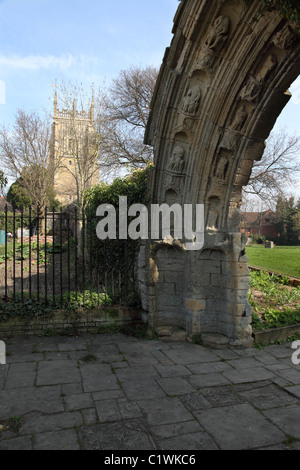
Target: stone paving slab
column 96, row 377
column 239, row 427
column 21, row 375
column 20, row 401
column 121, row 435
column 56, row 440
column 269, row 396
column 117, row 392
column 165, row 411
column 57, row 372
column 286, row 418
column 200, row 440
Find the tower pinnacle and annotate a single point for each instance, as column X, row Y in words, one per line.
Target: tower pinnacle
column 92, row 110
column 55, row 104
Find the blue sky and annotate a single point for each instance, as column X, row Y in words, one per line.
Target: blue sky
column 85, row 41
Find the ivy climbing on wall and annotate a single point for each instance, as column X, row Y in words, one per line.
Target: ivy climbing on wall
column 288, row 9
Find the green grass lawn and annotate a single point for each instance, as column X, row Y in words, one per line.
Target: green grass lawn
column 282, row 259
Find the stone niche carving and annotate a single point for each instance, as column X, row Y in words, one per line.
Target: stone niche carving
column 239, row 119
column 251, row 90
column 191, row 101
column 217, row 34
column 229, row 140
column 177, row 161
column 208, row 58
column 285, row 38
column 173, row 188
column 187, row 124
column 207, row 62
column 231, row 135
column 254, row 86
column 214, row 213
column 221, row 168
column 266, row 68
column 172, row 197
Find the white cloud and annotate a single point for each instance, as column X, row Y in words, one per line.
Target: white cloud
column 35, row 62
column 81, row 65
column 2, row 92
column 295, row 89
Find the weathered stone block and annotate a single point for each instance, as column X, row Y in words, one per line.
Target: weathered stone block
column 201, row 280
column 207, row 266
column 230, row 281
column 167, row 300
column 239, row 310
column 195, row 305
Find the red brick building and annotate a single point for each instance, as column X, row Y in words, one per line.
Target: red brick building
column 258, row 223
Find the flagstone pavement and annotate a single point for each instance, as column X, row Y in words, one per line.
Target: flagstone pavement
column 116, row 392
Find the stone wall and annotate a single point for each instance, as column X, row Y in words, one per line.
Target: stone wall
column 60, row 323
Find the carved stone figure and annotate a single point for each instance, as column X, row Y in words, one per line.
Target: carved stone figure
column 188, row 124
column 177, row 160
column 229, row 141
column 239, row 119
column 218, row 33
column 206, row 61
column 173, row 185
column 191, row 101
column 214, row 210
column 251, row 90
column 221, row 168
column 284, row 38
column 267, row 68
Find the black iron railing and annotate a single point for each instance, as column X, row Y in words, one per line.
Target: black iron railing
column 56, row 257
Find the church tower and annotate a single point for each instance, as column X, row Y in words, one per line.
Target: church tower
column 74, row 151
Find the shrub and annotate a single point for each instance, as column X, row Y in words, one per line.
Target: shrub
column 116, row 257
column 133, row 186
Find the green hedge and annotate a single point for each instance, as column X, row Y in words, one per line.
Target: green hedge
column 133, row 186
column 115, row 257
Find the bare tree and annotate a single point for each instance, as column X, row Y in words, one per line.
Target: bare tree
column 24, row 153
column 3, row 181
column 278, row 169
column 126, row 109
column 131, row 95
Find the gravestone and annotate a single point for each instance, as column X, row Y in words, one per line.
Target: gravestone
column 269, row 244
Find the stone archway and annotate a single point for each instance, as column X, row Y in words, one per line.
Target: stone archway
column 222, row 85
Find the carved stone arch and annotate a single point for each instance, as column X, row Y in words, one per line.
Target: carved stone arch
column 244, row 71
